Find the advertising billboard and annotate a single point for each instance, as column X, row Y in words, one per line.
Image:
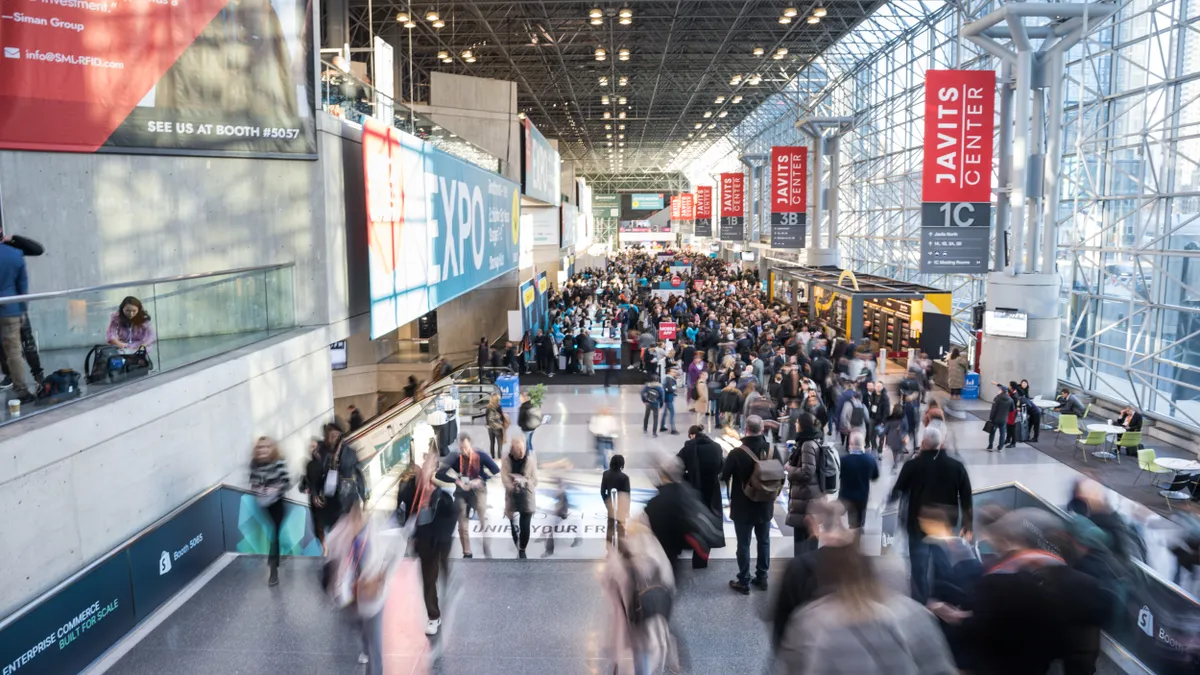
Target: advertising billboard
column 541, row 167
column 956, row 179
column 704, row 211
column 606, row 206
column 170, row 556
column 733, row 206
column 789, row 196
column 646, row 202
column 569, row 225
column 205, row 77
column 437, row 226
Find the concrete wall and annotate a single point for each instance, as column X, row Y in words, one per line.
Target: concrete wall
column 76, row 482
column 108, row 218
column 480, row 110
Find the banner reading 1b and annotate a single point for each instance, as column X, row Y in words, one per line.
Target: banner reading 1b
column 733, row 206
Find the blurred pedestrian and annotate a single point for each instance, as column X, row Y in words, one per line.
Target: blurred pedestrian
column 604, row 429
column 269, row 480
column 497, row 424
column 518, row 473
column 614, row 490
column 312, row 483
column 640, row 587
column 859, row 470
column 469, row 470
column 423, row 501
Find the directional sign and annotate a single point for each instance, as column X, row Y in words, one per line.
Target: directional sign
column 789, row 195
column 961, row 247
column 733, row 207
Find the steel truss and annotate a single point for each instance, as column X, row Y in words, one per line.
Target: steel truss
column 1128, row 220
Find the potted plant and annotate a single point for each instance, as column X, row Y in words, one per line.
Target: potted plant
column 536, row 393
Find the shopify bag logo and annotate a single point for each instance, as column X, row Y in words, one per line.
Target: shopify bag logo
column 1146, row 621
column 164, row 563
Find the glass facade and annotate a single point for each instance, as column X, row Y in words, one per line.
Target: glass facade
column 1128, row 223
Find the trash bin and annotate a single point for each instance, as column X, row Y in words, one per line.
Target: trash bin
column 971, row 386
column 510, row 391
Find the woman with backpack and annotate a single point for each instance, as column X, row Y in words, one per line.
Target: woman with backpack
column 803, row 483
column 895, row 435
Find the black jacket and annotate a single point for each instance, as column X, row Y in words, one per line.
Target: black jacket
column 669, row 519
column 523, row 416
column 933, row 478
column 1001, row 406
column 799, row 588
column 702, row 459
column 445, row 512
column 737, row 470
column 879, row 406
column 730, row 401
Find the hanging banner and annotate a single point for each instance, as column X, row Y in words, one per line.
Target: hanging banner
column 541, row 166
column 956, row 181
column 704, row 211
column 676, row 213
column 437, row 227
column 687, row 207
column 733, row 206
column 209, row 77
column 789, row 196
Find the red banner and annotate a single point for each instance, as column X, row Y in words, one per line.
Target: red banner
column 384, row 190
column 675, row 210
column 687, row 206
column 666, row 330
column 733, row 195
column 959, row 122
column 704, row 201
column 789, row 180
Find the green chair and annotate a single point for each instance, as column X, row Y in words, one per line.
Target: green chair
column 1146, row 462
column 1086, row 411
column 1069, row 425
column 1129, row 439
column 1093, row 439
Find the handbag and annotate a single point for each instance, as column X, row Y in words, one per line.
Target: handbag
column 988, row 427
column 331, row 476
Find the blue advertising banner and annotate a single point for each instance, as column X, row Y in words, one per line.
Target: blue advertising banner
column 646, row 202
column 541, row 167
column 543, row 302
column 168, row 557
column 438, row 227
column 248, row 527
column 73, row 627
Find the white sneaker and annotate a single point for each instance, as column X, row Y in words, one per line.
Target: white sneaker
column 431, row 626
column 363, row 659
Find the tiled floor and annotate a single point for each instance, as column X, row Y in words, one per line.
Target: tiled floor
column 540, row 616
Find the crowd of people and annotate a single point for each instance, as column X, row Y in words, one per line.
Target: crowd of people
column 777, row 413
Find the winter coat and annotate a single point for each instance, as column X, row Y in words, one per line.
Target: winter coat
column 802, row 478
column 902, row 638
column 1001, row 406
column 730, row 401
column 957, row 377
column 512, row 506
column 702, row 458
column 737, row 469
column 495, row 419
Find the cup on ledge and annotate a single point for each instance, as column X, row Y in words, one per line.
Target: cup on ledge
column 14, row 407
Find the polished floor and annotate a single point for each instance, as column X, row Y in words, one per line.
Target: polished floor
column 543, row 615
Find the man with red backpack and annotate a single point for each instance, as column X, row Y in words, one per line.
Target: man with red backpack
column 755, row 475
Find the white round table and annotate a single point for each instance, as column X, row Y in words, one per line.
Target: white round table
column 1046, row 406
column 1178, row 466
column 1109, row 430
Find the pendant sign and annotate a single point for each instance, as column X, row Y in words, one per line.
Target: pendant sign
column 956, row 185
column 704, row 211
column 733, row 207
column 789, row 196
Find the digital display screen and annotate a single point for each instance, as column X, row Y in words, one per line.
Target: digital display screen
column 1006, row 323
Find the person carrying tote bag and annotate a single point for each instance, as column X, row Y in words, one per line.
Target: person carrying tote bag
column 518, row 474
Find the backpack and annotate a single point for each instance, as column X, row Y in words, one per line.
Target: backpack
column 766, row 479
column 829, row 468
column 857, row 417
column 694, row 392
column 60, row 384
column 648, row 598
column 652, row 396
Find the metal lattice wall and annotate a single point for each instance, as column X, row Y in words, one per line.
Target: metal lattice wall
column 1128, row 229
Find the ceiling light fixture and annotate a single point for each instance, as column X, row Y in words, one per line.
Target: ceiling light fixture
column 755, row 80
column 470, row 59
column 698, row 125
column 431, row 16
column 820, row 12
column 723, row 113
column 622, row 54
column 596, row 13
column 604, row 100
column 621, row 115
column 466, row 54
column 443, row 55
column 707, row 114
column 621, row 127
column 607, row 115
column 625, row 13
column 607, row 127
column 813, row 20
column 780, row 53
column 621, row 136
column 735, row 80
column 596, row 21
column 622, row 81
column 608, row 135
column 736, row 99
column 402, row 18
column 790, row 12
column 603, row 81
column 410, row 24
column 759, row 51
column 625, row 20
column 520, row 115
column 704, row 135
column 785, row 20
column 690, row 134
column 621, row 100
column 720, row 100
column 439, row 24
column 601, row 53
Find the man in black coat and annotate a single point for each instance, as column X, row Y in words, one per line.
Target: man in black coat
column 702, row 459
column 748, row 516
column 998, row 417
column 932, row 478
column 879, row 407
column 485, row 356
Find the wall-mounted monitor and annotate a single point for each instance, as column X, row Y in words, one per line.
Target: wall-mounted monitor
column 1006, row 323
column 337, row 355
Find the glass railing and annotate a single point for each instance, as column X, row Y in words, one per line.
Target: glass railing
column 349, row 98
column 80, row 342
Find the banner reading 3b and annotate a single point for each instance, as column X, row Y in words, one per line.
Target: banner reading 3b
column 210, row 77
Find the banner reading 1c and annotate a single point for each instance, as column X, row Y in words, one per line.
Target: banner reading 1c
column 956, row 189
